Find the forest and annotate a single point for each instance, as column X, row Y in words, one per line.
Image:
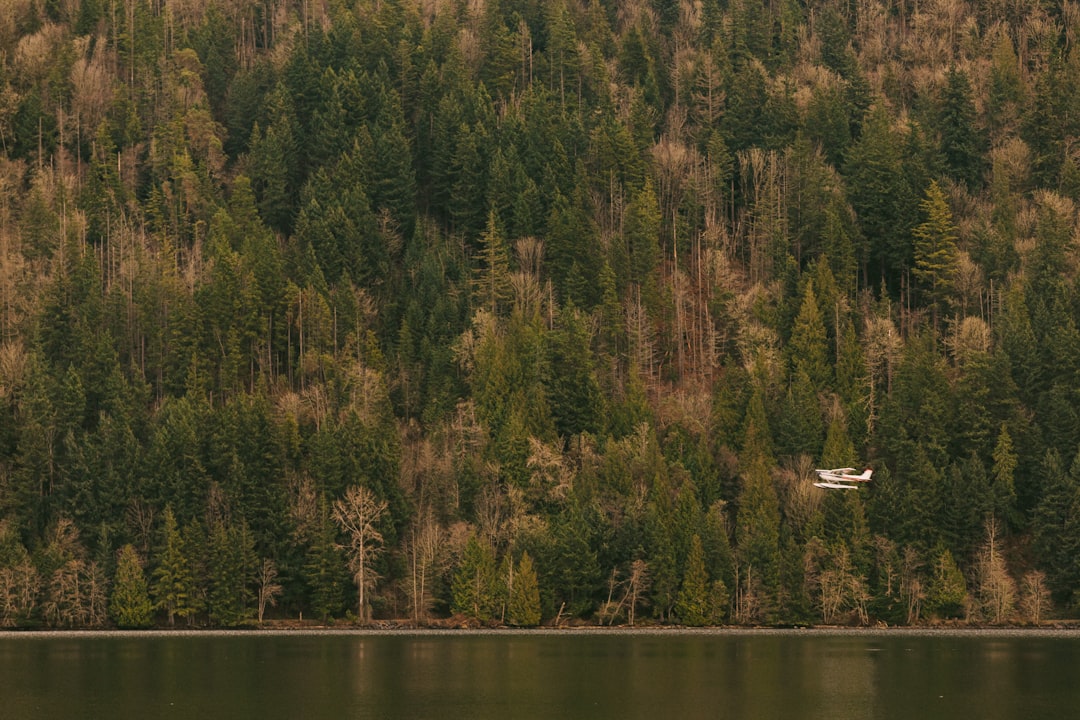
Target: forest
column 511, row 312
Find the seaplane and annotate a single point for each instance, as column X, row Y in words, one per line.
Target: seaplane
column 842, row 478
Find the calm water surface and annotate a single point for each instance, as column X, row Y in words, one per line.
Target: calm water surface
column 736, row 675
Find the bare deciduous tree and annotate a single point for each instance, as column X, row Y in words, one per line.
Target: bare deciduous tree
column 269, row 588
column 911, row 586
column 632, row 591
column 19, row 586
column 358, row 515
column 996, row 589
column 1035, row 596
column 425, row 549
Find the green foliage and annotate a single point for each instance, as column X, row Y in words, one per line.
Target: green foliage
column 882, row 197
column 1056, row 523
column 231, row 570
column 524, row 606
column 757, row 534
column 473, row 591
column 695, row 605
column 326, row 570
column 961, row 141
column 173, row 587
column 573, row 388
column 935, row 248
column 946, row 591
column 591, row 281
column 130, row 605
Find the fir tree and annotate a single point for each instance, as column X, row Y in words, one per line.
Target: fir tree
column 961, row 141
column 524, row 607
column 935, row 250
column 473, row 588
column 946, row 593
column 130, row 606
column 173, row 581
column 693, row 606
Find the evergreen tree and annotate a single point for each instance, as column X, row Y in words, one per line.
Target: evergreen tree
column 946, row 592
column 882, row 198
column 325, row 570
column 573, row 388
column 473, row 590
column 642, row 230
column 173, row 581
column 1002, row 483
column 799, row 427
column 231, row 571
column 572, row 571
column 693, row 606
column 935, row 250
column 838, row 451
column 130, row 605
column 492, row 287
column 524, row 608
column 757, row 541
column 809, row 344
column 1056, row 526
column 961, row 140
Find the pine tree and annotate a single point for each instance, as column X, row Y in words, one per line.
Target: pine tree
column 757, row 542
column 838, row 450
column 882, row 197
column 642, row 230
column 935, row 250
column 491, row 288
column 173, row 580
column 231, row 572
column 1056, row 525
column 809, row 344
column 693, row 606
column 799, row 429
column 130, row 606
column 573, row 388
column 961, row 141
column 946, row 593
column 1002, row 479
column 472, row 590
column 325, row 570
column 524, row 607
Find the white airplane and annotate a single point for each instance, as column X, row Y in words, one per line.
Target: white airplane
column 842, row 478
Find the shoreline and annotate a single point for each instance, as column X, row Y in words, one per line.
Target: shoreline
column 593, row 631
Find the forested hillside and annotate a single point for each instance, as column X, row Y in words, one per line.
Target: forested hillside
column 531, row 311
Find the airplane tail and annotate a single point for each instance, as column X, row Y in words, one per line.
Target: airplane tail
column 866, row 474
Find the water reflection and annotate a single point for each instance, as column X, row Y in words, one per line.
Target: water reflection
column 743, row 676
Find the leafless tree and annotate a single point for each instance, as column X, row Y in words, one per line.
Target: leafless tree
column 996, row 589
column 76, row 595
column 1035, row 596
column 358, row 515
column 626, row 593
column 140, row 518
column 19, row 587
column 425, row 547
column 911, row 586
column 748, row 595
column 269, row 588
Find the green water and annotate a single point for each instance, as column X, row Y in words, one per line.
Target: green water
column 786, row 676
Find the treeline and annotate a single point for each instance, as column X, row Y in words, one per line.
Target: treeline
column 533, row 312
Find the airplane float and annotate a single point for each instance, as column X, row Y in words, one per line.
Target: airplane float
column 842, row 478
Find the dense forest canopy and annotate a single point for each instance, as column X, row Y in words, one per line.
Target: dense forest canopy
column 525, row 311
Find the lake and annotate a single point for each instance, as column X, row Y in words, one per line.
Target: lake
column 743, row 675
